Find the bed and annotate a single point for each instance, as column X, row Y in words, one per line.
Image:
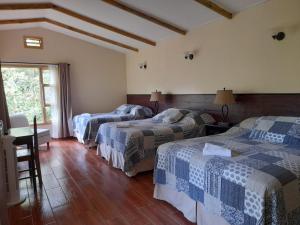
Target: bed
column 85, row 126
column 259, row 185
column 131, row 146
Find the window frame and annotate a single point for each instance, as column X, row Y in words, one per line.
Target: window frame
column 42, row 90
column 42, row 86
column 33, row 37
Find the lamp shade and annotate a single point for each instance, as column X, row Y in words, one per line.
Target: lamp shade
column 224, row 97
column 155, row 96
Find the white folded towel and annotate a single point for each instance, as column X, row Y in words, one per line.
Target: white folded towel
column 211, row 149
column 123, row 125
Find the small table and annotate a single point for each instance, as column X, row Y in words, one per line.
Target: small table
column 22, row 136
column 213, row 129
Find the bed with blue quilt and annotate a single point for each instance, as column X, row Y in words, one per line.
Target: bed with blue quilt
column 260, row 184
column 86, row 126
column 131, row 146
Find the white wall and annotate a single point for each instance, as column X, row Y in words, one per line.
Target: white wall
column 238, row 54
column 98, row 75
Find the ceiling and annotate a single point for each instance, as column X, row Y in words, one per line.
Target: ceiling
column 184, row 14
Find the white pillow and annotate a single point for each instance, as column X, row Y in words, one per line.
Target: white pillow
column 171, row 115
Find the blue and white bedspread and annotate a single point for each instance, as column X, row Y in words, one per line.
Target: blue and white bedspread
column 87, row 125
column 138, row 140
column 260, row 185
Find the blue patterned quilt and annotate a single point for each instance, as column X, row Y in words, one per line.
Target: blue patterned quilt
column 86, row 125
column 260, row 185
column 138, row 140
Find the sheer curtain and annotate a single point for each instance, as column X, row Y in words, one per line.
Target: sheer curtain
column 55, row 109
column 4, row 116
column 61, row 109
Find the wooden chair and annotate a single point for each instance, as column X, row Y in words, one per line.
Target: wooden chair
column 20, row 120
column 31, row 155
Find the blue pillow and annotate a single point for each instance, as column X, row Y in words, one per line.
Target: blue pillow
column 123, row 109
column 141, row 112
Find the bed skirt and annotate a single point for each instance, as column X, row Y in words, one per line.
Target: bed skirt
column 88, row 143
column 78, row 136
column 116, row 159
column 177, row 199
column 192, row 210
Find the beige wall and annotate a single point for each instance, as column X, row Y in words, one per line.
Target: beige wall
column 238, row 54
column 98, row 78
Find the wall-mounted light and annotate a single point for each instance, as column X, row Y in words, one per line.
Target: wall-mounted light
column 189, row 55
column 143, row 66
column 279, row 36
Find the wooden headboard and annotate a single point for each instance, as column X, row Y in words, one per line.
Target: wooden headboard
column 248, row 105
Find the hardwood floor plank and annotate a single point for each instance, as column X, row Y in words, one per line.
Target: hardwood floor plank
column 60, row 172
column 80, row 188
column 56, row 197
column 41, row 211
column 25, row 221
column 65, row 216
column 50, row 181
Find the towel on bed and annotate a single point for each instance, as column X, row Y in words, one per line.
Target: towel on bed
column 211, row 149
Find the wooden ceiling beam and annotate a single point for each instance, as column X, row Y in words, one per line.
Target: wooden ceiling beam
column 145, row 16
column 21, row 21
column 214, row 7
column 65, row 26
column 23, row 6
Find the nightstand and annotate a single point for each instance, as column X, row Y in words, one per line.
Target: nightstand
column 212, row 129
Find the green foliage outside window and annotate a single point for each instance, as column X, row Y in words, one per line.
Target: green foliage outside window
column 22, row 89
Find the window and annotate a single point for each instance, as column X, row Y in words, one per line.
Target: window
column 33, row 42
column 29, row 90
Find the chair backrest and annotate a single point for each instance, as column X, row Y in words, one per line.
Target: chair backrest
column 18, row 120
column 35, row 135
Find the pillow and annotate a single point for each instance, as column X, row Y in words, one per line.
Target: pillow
column 277, row 130
column 171, row 115
column 141, row 112
column 123, row 109
column 207, row 118
column 248, row 123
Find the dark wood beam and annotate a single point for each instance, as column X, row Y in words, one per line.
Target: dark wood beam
column 213, row 6
column 145, row 16
column 74, row 29
column 23, row 6
column 21, row 21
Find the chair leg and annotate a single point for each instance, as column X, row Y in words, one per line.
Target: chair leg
column 33, row 173
column 38, row 168
column 48, row 145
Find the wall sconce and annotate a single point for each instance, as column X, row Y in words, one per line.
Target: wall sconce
column 143, row 66
column 279, row 36
column 189, row 55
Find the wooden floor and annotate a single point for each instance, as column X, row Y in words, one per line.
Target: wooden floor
column 80, row 188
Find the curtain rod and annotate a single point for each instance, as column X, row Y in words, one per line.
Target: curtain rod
column 30, row 63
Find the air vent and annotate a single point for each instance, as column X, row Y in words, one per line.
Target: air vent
column 33, row 42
